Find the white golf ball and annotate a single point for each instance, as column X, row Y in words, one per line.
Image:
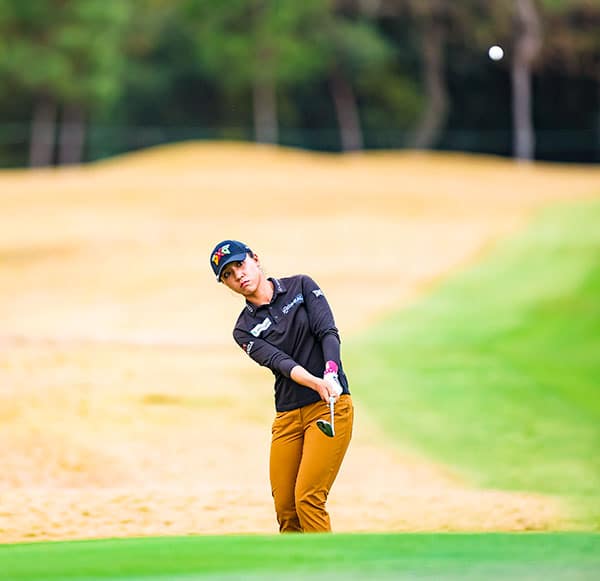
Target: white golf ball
column 495, row 52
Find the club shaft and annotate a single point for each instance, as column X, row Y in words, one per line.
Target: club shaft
column 331, row 409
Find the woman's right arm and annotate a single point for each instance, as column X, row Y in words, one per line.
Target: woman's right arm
column 267, row 355
column 264, row 353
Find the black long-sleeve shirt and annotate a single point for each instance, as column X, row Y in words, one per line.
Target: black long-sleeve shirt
column 296, row 328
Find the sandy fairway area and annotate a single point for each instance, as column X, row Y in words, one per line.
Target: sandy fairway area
column 125, row 407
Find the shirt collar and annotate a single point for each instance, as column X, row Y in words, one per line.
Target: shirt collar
column 278, row 289
column 278, row 286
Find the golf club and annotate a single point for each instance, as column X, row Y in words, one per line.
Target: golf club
column 326, row 427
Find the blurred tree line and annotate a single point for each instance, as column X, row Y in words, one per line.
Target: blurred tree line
column 84, row 79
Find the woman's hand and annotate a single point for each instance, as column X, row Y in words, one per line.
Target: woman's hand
column 322, row 387
column 326, row 390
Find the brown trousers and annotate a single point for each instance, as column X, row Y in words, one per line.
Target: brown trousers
column 304, row 463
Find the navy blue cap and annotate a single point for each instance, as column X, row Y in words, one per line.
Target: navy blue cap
column 225, row 252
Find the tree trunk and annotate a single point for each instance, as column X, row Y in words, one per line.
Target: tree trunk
column 41, row 146
column 346, row 111
column 265, row 112
column 436, row 111
column 527, row 45
column 72, row 135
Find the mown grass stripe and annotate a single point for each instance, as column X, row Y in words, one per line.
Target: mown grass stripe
column 497, row 371
column 440, row 556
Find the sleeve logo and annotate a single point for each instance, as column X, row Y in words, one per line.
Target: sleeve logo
column 318, row 293
column 247, row 347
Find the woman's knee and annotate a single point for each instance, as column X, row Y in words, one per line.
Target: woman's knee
column 310, row 501
column 310, row 506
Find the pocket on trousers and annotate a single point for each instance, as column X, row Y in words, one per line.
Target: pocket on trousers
column 276, row 422
column 344, row 404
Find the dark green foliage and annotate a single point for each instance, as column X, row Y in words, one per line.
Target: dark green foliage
column 71, row 51
column 186, row 68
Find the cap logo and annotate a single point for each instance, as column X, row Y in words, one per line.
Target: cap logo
column 219, row 253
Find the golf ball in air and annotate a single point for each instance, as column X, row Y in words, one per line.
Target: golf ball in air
column 495, row 52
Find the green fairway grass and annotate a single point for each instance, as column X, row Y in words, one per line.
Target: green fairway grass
column 497, row 371
column 536, row 556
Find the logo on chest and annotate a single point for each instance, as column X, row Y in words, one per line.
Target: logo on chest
column 258, row 329
column 295, row 301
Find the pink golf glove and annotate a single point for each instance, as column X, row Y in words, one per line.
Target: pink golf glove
column 331, row 377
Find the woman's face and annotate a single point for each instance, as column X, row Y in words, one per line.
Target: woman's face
column 244, row 276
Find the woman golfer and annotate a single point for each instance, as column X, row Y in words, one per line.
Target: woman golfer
column 287, row 326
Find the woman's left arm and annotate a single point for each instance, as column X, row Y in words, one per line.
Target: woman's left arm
column 330, row 344
column 321, row 321
column 320, row 315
